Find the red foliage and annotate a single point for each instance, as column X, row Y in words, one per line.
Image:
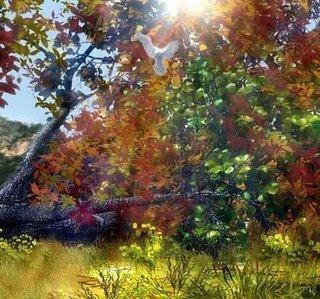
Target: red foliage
column 305, row 49
column 83, row 214
column 134, row 49
column 94, row 19
column 7, row 64
column 304, row 175
column 166, row 217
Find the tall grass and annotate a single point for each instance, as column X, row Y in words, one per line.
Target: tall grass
column 52, row 270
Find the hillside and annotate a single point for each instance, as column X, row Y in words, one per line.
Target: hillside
column 14, row 141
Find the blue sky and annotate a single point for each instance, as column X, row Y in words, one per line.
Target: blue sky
column 21, row 106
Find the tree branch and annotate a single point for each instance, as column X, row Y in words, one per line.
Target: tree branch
column 16, row 188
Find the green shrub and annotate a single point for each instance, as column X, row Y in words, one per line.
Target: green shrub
column 282, row 246
column 7, row 166
column 147, row 246
column 17, row 247
column 111, row 282
column 249, row 282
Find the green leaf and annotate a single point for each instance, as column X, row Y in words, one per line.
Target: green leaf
column 215, row 169
column 316, row 125
column 213, row 234
column 229, row 169
column 272, row 188
column 247, row 195
column 231, row 88
column 246, row 90
column 198, row 211
column 199, row 231
column 218, row 103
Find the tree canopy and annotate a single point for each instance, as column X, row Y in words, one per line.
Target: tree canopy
column 230, row 133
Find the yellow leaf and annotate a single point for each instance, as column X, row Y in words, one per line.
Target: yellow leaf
column 191, row 54
column 176, row 81
column 195, row 158
column 125, row 59
column 67, row 201
column 166, row 64
column 203, row 47
column 304, row 4
column 20, row 6
column 203, row 138
column 317, row 74
column 242, row 187
column 176, row 65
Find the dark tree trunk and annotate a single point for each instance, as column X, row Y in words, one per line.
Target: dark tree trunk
column 17, row 187
column 67, row 230
column 17, row 215
column 57, row 222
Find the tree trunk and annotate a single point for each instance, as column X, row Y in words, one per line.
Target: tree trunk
column 17, row 187
column 57, row 221
column 16, row 215
column 67, row 230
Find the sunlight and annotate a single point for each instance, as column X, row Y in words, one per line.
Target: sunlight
column 174, row 7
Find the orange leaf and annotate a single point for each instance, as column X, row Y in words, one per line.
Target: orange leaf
column 35, row 189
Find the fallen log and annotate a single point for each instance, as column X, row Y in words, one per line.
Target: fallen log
column 24, row 213
column 57, row 222
column 68, row 230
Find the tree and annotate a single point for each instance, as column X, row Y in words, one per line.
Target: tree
column 225, row 126
column 52, row 66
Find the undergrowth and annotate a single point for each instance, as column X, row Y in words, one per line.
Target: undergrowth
column 151, row 266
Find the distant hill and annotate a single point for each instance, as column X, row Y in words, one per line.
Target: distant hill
column 15, row 138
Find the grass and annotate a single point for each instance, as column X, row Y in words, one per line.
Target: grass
column 52, row 270
column 49, row 268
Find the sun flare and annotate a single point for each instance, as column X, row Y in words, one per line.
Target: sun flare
column 175, row 7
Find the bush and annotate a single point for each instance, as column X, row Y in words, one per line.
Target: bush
column 17, row 247
column 284, row 247
column 249, row 282
column 111, row 282
column 147, row 245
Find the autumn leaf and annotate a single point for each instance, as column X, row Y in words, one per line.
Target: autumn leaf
column 67, row 201
column 304, row 4
column 3, row 103
column 176, row 65
column 8, row 88
column 6, row 37
column 124, row 59
column 203, row 47
column 35, row 189
column 176, row 81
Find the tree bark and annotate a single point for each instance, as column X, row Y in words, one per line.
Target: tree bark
column 56, row 221
column 68, row 230
column 17, row 187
